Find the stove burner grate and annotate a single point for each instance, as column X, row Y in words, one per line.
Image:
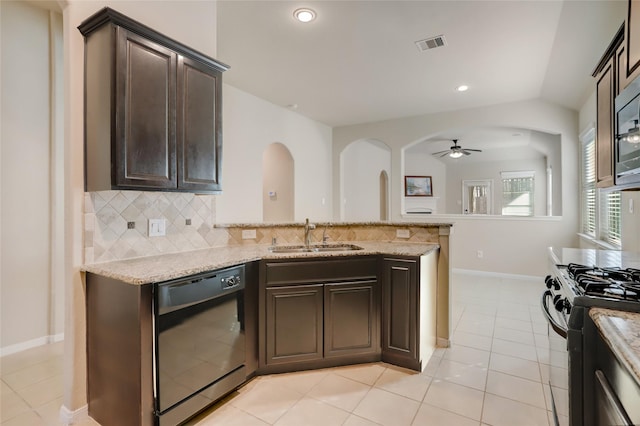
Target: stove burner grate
column 623, row 284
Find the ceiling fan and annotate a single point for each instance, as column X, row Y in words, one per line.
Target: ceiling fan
column 456, row 151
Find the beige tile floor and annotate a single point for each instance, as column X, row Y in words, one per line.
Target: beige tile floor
column 491, row 375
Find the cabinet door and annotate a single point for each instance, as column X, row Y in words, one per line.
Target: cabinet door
column 199, row 126
column 604, row 126
column 400, row 315
column 350, row 318
column 293, row 323
column 633, row 39
column 144, row 137
column 621, row 69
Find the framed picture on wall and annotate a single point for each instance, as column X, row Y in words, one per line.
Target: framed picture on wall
column 417, row 186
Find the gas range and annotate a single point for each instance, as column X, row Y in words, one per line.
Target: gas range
column 608, row 279
column 610, row 283
column 580, row 280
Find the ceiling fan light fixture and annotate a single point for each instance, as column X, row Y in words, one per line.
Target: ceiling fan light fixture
column 462, row 88
column 304, row 14
column 455, row 154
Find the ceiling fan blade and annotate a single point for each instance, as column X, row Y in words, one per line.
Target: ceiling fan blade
column 465, row 152
column 445, row 154
column 439, row 152
column 474, row 150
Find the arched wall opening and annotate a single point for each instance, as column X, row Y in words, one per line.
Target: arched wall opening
column 499, row 150
column 384, row 195
column 278, row 188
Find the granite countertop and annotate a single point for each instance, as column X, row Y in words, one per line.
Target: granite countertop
column 331, row 224
column 621, row 331
column 152, row 269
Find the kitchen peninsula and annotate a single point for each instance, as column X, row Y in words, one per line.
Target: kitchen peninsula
column 387, row 299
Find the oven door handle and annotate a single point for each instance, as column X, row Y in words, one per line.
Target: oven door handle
column 545, row 310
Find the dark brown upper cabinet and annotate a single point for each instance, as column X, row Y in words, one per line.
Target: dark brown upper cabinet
column 153, row 111
column 632, row 41
column 609, row 81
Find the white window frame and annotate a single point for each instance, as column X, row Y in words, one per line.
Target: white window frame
column 525, row 174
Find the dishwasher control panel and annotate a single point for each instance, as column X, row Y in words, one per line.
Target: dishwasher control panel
column 181, row 293
column 233, row 278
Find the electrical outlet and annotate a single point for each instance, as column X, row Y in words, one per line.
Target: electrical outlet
column 402, row 233
column 157, row 227
column 480, row 254
column 248, row 234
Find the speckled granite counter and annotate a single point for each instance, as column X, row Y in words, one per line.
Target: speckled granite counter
column 621, row 331
column 160, row 268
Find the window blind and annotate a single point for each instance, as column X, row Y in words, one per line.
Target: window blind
column 588, row 166
column 610, row 217
column 600, row 210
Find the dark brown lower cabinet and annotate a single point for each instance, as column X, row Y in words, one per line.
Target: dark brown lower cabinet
column 294, row 323
column 319, row 313
column 351, row 318
column 119, row 352
column 400, row 312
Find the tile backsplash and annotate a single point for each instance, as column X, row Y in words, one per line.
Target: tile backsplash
column 108, row 236
column 107, row 214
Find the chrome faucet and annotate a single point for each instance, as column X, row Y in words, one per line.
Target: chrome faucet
column 307, row 232
column 325, row 237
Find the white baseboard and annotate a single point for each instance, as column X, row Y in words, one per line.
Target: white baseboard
column 68, row 417
column 34, row 343
column 497, row 275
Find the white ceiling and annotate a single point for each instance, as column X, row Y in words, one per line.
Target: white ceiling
column 357, row 62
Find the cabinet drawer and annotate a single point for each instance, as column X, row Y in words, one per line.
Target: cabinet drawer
column 318, row 271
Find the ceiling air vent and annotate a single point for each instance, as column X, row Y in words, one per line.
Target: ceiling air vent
column 430, row 43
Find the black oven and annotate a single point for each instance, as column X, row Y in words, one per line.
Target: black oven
column 580, row 281
column 199, row 342
column 627, row 141
column 556, row 308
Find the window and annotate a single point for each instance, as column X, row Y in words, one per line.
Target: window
column 517, row 193
column 600, row 210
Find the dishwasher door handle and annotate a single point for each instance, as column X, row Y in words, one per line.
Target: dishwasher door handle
column 552, row 322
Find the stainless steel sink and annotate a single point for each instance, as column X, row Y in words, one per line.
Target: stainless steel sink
column 314, row 248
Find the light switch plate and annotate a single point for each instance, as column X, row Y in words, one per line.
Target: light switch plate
column 248, row 234
column 157, row 227
column 402, row 233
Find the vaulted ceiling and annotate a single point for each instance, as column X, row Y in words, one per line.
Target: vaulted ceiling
column 358, row 62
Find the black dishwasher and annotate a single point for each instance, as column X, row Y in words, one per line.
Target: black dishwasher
column 199, row 342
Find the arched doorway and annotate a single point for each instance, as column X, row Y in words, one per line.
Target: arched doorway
column 277, row 184
column 384, row 195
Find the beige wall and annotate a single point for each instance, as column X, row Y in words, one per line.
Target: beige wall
column 630, row 220
column 250, row 125
column 361, row 164
column 32, row 303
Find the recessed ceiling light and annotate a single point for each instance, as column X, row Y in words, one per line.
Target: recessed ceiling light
column 304, row 15
column 462, row 88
